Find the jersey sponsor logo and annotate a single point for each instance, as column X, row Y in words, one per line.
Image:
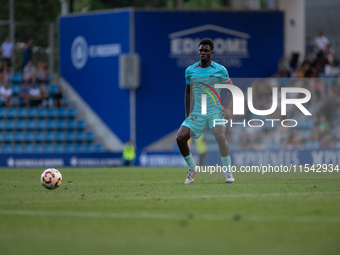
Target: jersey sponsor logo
column 80, row 51
column 230, row 46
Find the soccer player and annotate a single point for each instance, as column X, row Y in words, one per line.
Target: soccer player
column 198, row 75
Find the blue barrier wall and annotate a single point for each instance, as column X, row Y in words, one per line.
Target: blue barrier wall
column 167, row 43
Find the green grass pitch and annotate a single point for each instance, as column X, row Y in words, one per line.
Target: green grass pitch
column 151, row 211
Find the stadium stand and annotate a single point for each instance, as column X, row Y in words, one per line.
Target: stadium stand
column 46, row 128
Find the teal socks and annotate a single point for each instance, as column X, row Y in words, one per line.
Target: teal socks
column 226, row 161
column 190, row 162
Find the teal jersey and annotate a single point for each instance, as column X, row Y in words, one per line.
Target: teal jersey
column 203, row 81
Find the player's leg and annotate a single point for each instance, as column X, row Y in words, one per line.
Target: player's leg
column 219, row 133
column 183, row 135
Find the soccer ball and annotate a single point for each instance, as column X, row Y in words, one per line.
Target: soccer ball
column 51, row 178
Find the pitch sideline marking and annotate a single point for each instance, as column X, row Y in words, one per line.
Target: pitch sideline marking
column 162, row 216
column 182, row 197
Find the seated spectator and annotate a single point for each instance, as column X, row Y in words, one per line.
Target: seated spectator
column 24, row 96
column 58, row 98
column 6, row 95
column 42, row 72
column 44, row 95
column 29, row 72
column 34, row 96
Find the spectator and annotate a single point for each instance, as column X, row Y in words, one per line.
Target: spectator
column 309, row 45
column 320, row 43
column 44, row 95
column 58, row 100
column 42, row 72
column 28, row 53
column 7, row 49
column 6, row 95
column 24, row 96
column 34, row 96
column 29, row 72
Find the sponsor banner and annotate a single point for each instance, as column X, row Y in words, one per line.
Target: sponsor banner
column 60, row 160
column 293, row 158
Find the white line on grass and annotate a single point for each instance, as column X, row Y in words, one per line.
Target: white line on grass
column 163, row 216
column 181, row 197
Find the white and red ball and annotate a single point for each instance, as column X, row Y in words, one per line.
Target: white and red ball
column 51, row 178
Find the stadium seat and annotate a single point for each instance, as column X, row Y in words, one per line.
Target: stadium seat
column 22, row 113
column 2, row 112
column 59, row 148
column 51, row 124
column 15, row 88
column 62, row 113
column 30, row 124
column 49, row 136
column 72, row 113
column 8, row 136
column 61, row 124
column 79, row 147
column 2, row 124
column 81, row 124
column 28, row 148
column 39, row 136
column 32, row 112
column 19, row 136
column 42, row 113
column 38, row 148
column 52, row 112
column 90, row 137
column 70, row 137
column 20, row 124
column 10, row 125
column 41, row 124
column 29, row 137
column 71, row 124
column 11, row 113
column 69, row 147
column 60, row 136
column 99, row 148
column 80, row 136
column 17, row 148
column 7, row 148
column 48, row 148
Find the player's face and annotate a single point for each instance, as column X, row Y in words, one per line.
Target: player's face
column 205, row 53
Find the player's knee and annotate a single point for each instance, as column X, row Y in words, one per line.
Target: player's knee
column 220, row 137
column 180, row 139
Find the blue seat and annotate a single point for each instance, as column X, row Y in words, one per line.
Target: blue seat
column 11, row 113
column 10, row 125
column 71, row 124
column 22, row 113
column 70, row 137
column 81, row 124
column 71, row 113
column 90, row 136
column 42, row 113
column 69, row 147
column 29, row 137
column 28, row 148
column 62, row 113
column 52, row 112
column 61, row 124
column 38, row 148
column 2, row 124
column 48, row 148
column 80, row 136
column 60, row 136
column 17, row 78
column 19, row 136
column 7, row 148
column 49, row 136
column 1, row 138
column 59, row 148
column 15, row 88
column 2, row 112
column 39, row 136
column 99, row 148
column 17, row 148
column 8, row 136
column 32, row 112
column 41, row 124
column 51, row 124
column 30, row 124
column 20, row 125
column 80, row 148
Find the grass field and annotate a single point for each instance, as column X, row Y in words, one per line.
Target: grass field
column 151, row 211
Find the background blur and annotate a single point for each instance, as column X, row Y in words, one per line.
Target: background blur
column 104, row 72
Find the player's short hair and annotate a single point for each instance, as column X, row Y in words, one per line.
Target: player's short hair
column 207, row 41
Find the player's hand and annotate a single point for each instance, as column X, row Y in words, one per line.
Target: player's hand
column 226, row 113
